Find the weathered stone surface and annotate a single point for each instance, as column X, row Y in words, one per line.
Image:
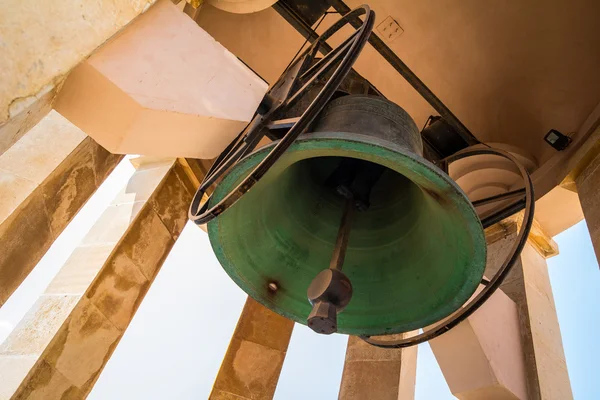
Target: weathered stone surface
column 45, row 179
column 14, row 129
column 24, row 239
column 34, row 331
column 83, row 344
column 374, row 373
column 14, row 191
column 554, row 383
column 104, row 162
column 370, row 380
column 37, row 154
column 23, row 348
column 528, row 285
column 250, row 370
column 266, row 328
column 14, row 368
column 79, row 270
column 67, row 192
column 148, row 246
column 252, row 364
column 221, row 395
column 489, row 393
column 117, row 290
column 194, row 171
column 170, row 212
column 43, row 41
column 112, row 224
column 143, row 183
column 408, row 373
column 544, row 323
column 588, row 187
column 47, row 383
column 72, row 343
column 482, row 357
column 550, row 361
column 359, row 350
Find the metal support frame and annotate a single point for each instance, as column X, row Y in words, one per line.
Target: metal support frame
column 295, row 81
column 490, row 286
column 388, row 54
column 299, row 24
column 499, row 197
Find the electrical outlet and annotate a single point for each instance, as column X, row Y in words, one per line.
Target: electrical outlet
column 389, row 29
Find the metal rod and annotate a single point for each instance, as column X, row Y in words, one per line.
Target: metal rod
column 341, row 243
column 498, row 197
column 304, row 29
column 329, row 55
column 200, row 212
column 283, row 123
column 299, row 24
column 491, row 219
column 388, row 54
column 410, row 76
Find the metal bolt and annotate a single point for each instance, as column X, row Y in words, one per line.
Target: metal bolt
column 273, row 287
column 323, row 318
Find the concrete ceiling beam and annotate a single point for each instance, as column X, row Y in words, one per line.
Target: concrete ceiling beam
column 41, row 43
column 162, row 87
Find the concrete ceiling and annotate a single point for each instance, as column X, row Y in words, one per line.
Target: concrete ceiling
column 509, row 70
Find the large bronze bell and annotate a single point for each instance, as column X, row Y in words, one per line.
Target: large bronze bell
column 416, row 250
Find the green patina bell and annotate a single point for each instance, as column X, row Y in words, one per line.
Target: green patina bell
column 414, row 256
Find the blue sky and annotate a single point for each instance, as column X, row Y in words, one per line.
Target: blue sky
column 176, row 341
column 575, row 280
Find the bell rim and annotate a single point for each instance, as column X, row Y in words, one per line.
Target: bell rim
column 344, row 141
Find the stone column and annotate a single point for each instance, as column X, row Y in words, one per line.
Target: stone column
column 61, row 346
column 45, row 178
column 588, row 188
column 528, row 286
column 374, row 373
column 252, row 364
column 482, row 357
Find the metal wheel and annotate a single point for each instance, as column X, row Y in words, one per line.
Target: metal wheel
column 496, row 281
column 302, row 73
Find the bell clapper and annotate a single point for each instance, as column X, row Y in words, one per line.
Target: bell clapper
column 341, row 243
column 331, row 290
